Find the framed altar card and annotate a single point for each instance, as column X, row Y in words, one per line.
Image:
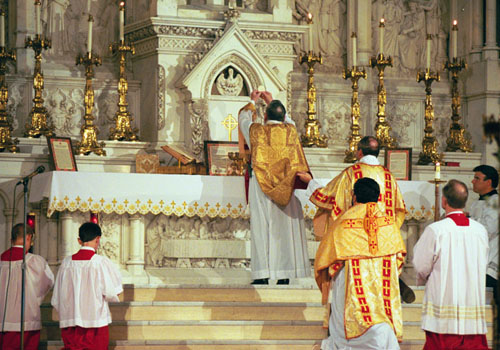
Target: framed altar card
column 61, row 154
column 217, row 159
column 398, row 161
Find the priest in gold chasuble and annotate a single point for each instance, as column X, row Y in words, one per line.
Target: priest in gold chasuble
column 278, row 237
column 359, row 259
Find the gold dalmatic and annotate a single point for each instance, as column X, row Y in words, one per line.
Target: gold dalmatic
column 277, row 156
column 368, row 244
column 336, row 197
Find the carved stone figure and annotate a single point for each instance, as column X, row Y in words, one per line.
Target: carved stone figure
column 53, row 13
column 230, row 86
column 392, row 12
column 331, row 34
column 412, row 38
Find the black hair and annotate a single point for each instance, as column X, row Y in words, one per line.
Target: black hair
column 369, row 146
column 489, row 172
column 456, row 194
column 88, row 231
column 17, row 231
column 276, row 111
column 366, row 190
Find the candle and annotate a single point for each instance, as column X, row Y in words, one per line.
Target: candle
column 37, row 17
column 88, row 6
column 381, row 28
column 454, row 34
column 354, row 51
column 89, row 41
column 2, row 28
column 429, row 43
column 437, row 175
column 122, row 21
column 310, row 22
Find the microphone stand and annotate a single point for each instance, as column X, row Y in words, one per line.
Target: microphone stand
column 24, row 182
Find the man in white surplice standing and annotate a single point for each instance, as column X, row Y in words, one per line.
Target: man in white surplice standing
column 279, row 247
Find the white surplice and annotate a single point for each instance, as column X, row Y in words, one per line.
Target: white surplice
column 451, row 261
column 379, row 336
column 485, row 212
column 279, row 245
column 83, row 289
column 39, row 280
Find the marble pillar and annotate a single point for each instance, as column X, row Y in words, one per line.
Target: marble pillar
column 364, row 23
column 9, row 214
column 67, row 235
column 412, row 237
column 476, row 30
column 135, row 263
column 351, row 27
column 490, row 50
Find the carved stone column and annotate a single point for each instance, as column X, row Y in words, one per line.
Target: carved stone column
column 50, row 228
column 351, row 27
column 476, row 30
column 9, row 214
column 412, row 237
column 67, row 235
column 490, row 50
column 364, row 21
column 135, row 263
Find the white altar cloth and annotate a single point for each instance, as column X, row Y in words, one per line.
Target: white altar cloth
column 191, row 195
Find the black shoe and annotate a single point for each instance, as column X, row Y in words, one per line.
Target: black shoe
column 284, row 281
column 261, row 281
column 407, row 294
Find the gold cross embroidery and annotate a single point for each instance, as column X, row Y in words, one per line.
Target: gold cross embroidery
column 230, row 123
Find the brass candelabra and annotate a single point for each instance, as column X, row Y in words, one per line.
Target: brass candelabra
column 89, row 131
column 238, row 163
column 354, row 74
column 38, row 124
column 6, row 141
column 429, row 153
column 382, row 127
column 457, row 140
column 122, row 131
column 311, row 136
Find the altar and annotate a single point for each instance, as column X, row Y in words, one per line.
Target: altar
column 153, row 221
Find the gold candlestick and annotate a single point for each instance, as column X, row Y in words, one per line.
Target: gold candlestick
column 38, row 124
column 89, row 131
column 122, row 131
column 354, row 74
column 430, row 144
column 382, row 127
column 312, row 137
column 457, row 140
column 238, row 163
column 6, row 142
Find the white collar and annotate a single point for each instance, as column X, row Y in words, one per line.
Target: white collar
column 370, row 160
column 88, row 248
column 17, row 246
column 455, row 212
column 273, row 122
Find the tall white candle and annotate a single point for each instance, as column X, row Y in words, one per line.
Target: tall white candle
column 310, row 22
column 89, row 39
column 122, row 21
column 381, row 28
column 437, row 174
column 354, row 49
column 37, row 17
column 454, row 34
column 88, row 6
column 429, row 44
column 2, row 28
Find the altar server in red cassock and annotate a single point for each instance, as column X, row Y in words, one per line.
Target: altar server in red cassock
column 39, row 279
column 85, row 283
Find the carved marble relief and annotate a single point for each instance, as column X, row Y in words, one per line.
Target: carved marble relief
column 111, row 236
column 198, row 119
column 65, row 107
column 161, row 97
column 335, row 119
column 15, row 100
column 229, row 83
column 403, row 117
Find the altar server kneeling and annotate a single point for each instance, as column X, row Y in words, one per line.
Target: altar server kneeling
column 85, row 283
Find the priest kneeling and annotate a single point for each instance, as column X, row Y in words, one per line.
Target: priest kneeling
column 85, row 283
column 360, row 259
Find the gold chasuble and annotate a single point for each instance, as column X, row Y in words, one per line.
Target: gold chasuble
column 277, row 156
column 336, row 197
column 368, row 244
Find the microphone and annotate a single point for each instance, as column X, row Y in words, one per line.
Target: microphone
column 37, row 171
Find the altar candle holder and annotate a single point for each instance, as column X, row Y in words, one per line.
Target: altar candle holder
column 437, row 198
column 429, row 153
column 311, row 136
column 38, row 124
column 6, row 141
column 89, row 131
column 457, row 139
column 354, row 74
column 382, row 127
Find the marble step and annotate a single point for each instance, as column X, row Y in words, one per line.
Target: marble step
column 217, row 345
column 221, row 311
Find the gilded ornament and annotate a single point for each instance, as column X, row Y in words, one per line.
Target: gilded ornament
column 6, row 142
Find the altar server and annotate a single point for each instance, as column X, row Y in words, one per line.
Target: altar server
column 39, row 279
column 279, row 247
column 85, row 283
column 359, row 260
column 450, row 258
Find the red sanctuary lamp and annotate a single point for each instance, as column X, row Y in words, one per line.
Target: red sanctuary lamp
column 31, row 220
column 94, row 218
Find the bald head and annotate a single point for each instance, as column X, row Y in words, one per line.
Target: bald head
column 368, row 145
column 456, row 194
